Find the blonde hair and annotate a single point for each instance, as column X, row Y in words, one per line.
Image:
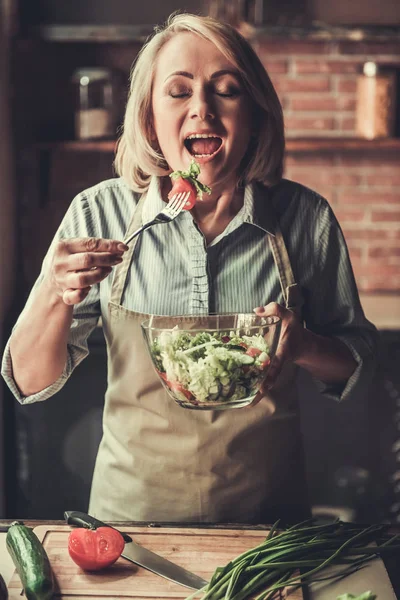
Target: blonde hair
column 137, row 158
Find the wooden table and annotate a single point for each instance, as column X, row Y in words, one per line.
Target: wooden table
column 371, row 579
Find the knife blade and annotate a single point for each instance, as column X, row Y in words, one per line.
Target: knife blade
column 140, row 555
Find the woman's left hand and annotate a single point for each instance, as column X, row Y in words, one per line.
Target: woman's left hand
column 290, row 342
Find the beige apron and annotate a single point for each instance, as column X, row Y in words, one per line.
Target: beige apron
column 158, row 461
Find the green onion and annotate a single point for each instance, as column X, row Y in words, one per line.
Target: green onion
column 275, row 563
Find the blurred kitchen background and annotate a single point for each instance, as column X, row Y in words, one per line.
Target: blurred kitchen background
column 64, row 70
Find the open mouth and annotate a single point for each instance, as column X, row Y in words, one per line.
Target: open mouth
column 202, row 145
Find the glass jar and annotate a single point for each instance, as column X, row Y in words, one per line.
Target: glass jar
column 376, row 102
column 95, row 104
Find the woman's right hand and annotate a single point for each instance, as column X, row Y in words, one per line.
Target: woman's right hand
column 76, row 264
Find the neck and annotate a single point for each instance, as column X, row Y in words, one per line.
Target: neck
column 220, row 204
column 215, row 212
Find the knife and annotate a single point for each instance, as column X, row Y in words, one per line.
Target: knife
column 141, row 556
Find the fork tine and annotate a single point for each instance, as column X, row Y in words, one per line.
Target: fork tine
column 185, row 199
column 174, row 201
column 182, row 201
column 177, row 199
column 177, row 202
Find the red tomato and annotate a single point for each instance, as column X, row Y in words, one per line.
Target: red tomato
column 95, row 549
column 178, row 387
column 184, row 185
column 174, row 386
column 253, row 351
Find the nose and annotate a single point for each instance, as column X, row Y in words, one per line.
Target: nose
column 202, row 106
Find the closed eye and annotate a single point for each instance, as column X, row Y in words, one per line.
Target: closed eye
column 178, row 90
column 228, row 93
column 179, row 94
column 185, row 94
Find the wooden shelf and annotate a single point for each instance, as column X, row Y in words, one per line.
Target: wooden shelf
column 304, row 145
column 293, row 146
column 316, row 31
column 91, row 33
column 79, row 145
column 321, row 32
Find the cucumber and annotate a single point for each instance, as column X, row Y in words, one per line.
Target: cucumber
column 31, row 561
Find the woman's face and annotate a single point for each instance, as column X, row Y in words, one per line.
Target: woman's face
column 200, row 109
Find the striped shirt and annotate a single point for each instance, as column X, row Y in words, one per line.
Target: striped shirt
column 174, row 271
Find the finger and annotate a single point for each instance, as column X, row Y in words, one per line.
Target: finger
column 257, row 399
column 82, row 261
column 71, row 296
column 271, row 309
column 274, row 371
column 82, row 279
column 91, row 244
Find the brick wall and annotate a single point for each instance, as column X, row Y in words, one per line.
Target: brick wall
column 316, row 82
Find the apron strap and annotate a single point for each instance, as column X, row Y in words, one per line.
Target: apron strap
column 291, row 290
column 121, row 270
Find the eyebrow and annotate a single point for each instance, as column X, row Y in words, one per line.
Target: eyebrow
column 213, row 76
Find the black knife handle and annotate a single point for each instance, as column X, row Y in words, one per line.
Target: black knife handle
column 81, row 519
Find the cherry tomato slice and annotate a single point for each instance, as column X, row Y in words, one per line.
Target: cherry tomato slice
column 184, row 185
column 174, row 386
column 253, row 351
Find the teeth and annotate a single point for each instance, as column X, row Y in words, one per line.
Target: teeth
column 201, row 135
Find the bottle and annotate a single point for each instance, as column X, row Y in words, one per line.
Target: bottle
column 376, row 98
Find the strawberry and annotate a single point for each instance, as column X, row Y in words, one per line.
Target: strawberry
column 186, row 181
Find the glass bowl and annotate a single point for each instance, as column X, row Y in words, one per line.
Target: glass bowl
column 212, row 362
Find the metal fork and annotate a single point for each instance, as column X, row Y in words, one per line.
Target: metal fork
column 168, row 214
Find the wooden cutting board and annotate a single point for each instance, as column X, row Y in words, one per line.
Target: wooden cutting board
column 198, row 550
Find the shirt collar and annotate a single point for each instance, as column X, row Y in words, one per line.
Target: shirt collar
column 254, row 210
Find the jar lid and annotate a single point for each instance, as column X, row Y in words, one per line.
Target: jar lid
column 90, row 74
column 370, row 69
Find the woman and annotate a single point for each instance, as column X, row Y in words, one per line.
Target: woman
column 197, row 91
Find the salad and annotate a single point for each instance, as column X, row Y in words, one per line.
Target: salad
column 210, row 367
